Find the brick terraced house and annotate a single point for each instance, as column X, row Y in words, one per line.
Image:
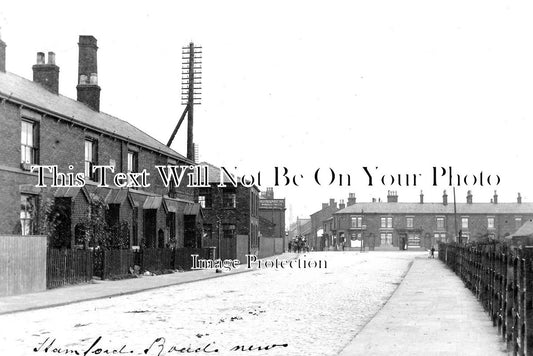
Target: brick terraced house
column 231, row 216
column 396, row 225
column 39, row 126
column 272, row 213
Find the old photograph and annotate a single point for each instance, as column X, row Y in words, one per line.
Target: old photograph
column 266, row 178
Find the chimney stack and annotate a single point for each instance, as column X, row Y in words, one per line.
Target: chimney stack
column 495, row 200
column 519, row 199
column 46, row 74
column 392, row 196
column 444, row 198
column 421, row 197
column 269, row 194
column 469, row 197
column 2, row 56
column 351, row 199
column 332, row 203
column 342, row 205
column 88, row 89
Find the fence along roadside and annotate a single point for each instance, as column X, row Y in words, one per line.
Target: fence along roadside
column 501, row 277
column 68, row 266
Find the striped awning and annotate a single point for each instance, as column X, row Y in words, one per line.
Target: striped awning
column 192, row 209
column 152, row 203
column 67, row 192
column 173, row 206
column 116, row 196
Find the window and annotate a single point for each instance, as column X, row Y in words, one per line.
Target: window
column 490, row 222
column 204, row 197
column 90, row 158
column 28, row 143
column 440, row 237
column 228, row 231
column 386, row 222
column 440, row 223
column 517, row 222
column 409, row 222
column 386, row 239
column 229, row 198
column 208, row 231
column 357, row 221
column 133, row 162
column 27, row 214
column 201, row 201
column 464, row 223
column 356, row 236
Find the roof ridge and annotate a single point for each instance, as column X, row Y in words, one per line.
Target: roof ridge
column 88, row 111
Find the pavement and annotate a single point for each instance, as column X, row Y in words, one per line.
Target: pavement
column 99, row 289
column 430, row 313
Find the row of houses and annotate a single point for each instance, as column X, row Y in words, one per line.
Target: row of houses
column 395, row 225
column 42, row 127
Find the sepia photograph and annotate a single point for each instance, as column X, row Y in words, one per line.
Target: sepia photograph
column 281, row 178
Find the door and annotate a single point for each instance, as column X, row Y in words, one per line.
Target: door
column 149, row 228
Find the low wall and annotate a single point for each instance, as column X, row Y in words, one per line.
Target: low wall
column 270, row 246
column 22, row 264
column 242, row 248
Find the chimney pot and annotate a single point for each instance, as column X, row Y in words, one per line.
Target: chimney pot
column 51, row 58
column 444, row 198
column 469, row 197
column 94, row 79
column 421, row 197
column 519, row 199
column 40, row 58
column 495, row 197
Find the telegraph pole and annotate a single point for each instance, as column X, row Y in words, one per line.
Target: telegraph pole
column 455, row 216
column 191, row 76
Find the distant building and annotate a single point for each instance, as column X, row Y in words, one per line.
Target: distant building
column 396, row 225
column 39, row 126
column 272, row 211
column 231, row 216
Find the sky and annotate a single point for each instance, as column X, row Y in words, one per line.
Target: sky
column 399, row 85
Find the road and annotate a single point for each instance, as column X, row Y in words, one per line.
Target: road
column 267, row 312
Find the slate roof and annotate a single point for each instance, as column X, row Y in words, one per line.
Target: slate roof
column 214, row 174
column 437, row 208
column 524, row 230
column 33, row 95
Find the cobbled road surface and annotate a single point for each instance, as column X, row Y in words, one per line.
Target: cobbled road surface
column 266, row 312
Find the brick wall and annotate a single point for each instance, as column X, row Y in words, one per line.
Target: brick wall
column 426, row 225
column 62, row 143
